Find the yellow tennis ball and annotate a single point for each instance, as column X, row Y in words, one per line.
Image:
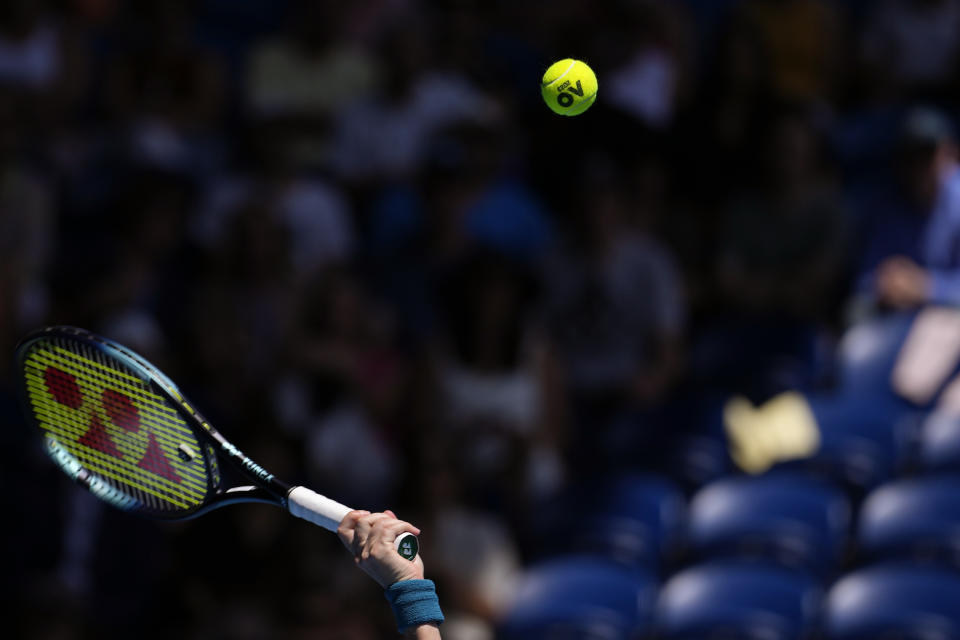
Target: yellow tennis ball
column 569, row 87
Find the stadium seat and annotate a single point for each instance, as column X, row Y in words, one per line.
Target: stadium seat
column 793, row 520
column 894, row 601
column 917, row 518
column 634, row 519
column 737, row 600
column 862, row 444
column 580, row 597
column 940, row 443
column 701, row 458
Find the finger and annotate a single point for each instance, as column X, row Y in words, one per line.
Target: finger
column 394, row 531
column 352, row 518
column 383, row 537
column 348, row 526
column 364, row 527
column 374, row 534
column 394, row 528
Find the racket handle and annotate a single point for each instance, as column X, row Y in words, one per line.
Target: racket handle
column 327, row 513
column 318, row 509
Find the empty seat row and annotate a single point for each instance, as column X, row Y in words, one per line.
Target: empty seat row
column 789, row 519
column 764, row 557
column 583, row 597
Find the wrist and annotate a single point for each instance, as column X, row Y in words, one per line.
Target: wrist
column 414, row 603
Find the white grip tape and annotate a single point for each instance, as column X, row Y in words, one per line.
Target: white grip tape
column 318, row 509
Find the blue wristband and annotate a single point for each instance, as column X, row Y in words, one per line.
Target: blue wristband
column 414, row 602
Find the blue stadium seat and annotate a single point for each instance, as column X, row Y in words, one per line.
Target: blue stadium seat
column 917, row 518
column 737, row 600
column 701, row 458
column 863, row 441
column 894, row 601
column 580, row 597
column 635, row 519
column 940, row 443
column 797, row 521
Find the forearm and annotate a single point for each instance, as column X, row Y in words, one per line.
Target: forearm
column 423, row 632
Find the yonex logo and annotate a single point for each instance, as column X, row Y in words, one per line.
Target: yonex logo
column 107, row 421
column 120, row 411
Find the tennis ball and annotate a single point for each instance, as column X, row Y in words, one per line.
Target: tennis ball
column 569, row 87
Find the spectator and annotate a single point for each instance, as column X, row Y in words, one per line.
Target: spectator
column 909, row 262
column 465, row 199
column 778, row 266
column 615, row 310
column 385, row 136
column 614, row 300
column 166, row 91
column 477, row 587
column 242, row 309
column 312, row 70
column 909, row 256
column 300, row 81
column 650, row 82
column 42, row 65
column 315, row 213
column 783, row 242
column 493, row 384
column 344, row 387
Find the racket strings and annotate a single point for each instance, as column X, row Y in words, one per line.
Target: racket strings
column 114, row 428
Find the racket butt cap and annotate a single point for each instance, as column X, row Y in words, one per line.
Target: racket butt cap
column 407, row 546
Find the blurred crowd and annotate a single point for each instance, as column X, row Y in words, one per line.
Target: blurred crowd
column 360, row 243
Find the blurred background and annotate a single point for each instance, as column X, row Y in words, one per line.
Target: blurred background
column 360, row 242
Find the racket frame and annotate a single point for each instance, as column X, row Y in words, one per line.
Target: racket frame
column 266, row 487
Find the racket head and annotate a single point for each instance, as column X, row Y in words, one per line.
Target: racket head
column 116, row 424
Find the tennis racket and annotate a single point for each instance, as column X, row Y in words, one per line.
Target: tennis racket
column 121, row 428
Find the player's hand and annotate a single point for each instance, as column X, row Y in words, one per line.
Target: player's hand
column 902, row 283
column 370, row 538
